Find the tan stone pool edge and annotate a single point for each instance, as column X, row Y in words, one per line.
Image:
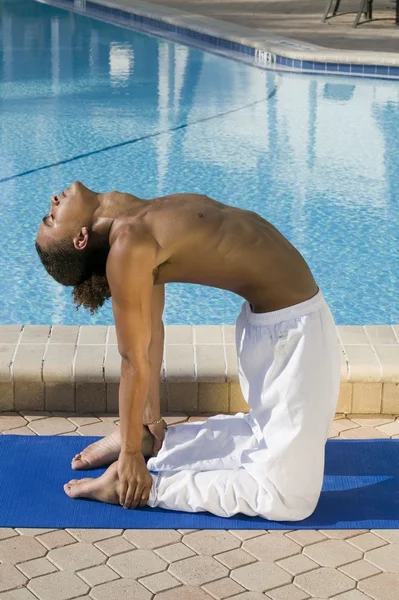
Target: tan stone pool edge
column 72, row 368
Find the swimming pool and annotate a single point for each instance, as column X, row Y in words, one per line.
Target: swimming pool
column 115, row 108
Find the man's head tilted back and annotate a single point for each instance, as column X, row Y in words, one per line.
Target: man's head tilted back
column 67, row 247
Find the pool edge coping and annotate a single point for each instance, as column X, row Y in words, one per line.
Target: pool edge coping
column 77, row 368
column 269, row 51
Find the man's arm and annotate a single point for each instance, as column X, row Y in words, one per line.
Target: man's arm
column 130, row 275
column 152, row 409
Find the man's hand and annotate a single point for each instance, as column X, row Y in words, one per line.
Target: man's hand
column 158, row 433
column 135, row 480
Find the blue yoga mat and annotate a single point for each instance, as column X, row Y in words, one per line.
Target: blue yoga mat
column 360, row 491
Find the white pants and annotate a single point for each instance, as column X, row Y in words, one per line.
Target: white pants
column 268, row 462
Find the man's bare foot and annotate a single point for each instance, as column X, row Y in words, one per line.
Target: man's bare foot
column 104, row 488
column 107, row 450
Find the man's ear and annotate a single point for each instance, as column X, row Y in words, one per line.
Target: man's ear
column 80, row 241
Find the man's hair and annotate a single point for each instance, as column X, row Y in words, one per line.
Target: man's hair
column 82, row 269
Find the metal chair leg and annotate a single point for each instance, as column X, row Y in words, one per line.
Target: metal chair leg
column 362, row 9
column 326, row 12
column 337, row 5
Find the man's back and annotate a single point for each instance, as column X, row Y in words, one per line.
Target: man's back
column 206, row 242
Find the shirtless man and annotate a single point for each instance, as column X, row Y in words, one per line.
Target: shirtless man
column 268, row 462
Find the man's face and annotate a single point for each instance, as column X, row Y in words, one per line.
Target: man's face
column 69, row 211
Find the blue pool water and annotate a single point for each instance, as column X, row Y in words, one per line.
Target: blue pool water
column 317, row 156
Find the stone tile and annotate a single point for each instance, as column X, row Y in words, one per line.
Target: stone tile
column 179, row 334
column 229, row 333
column 108, row 417
column 64, row 334
column 385, row 558
column 211, row 364
column 287, row 592
column 62, row 586
column 101, row 428
column 198, row 570
column 79, row 421
column 237, row 402
column 186, row 592
column 113, row 546
column 380, row 334
column 6, row 355
column 37, row 567
column 352, row 595
column 57, row 364
column 234, row 558
column 27, row 364
column 344, row 366
column 34, row 415
column 7, row 532
column 367, row 541
column 390, row 428
column 90, row 536
column 223, row 588
column 363, row 433
column 390, row 398
column 179, row 362
column 247, row 534
column 381, row 587
column 174, row 418
column 260, row 576
column 98, row 575
column 345, row 398
column 19, row 549
column 90, row 397
column 76, row 556
column 366, row 397
column 56, row 539
column 306, row 537
column 6, row 396
column 51, row 426
column 352, row 334
column 372, row 420
column 389, row 359
column 213, row 397
column 182, row 396
column 324, row 582
column 148, row 539
column 19, row 594
column 208, row 334
column 28, row 395
column 174, row 552
column 159, row 582
column 10, row 577
column 343, row 425
column 231, row 363
column 59, row 396
column 92, row 334
column 11, row 420
column 271, row 547
column 210, row 542
column 389, row 535
column 9, row 334
column 19, row 431
column 35, row 334
column 332, row 553
column 89, row 363
column 363, row 365
column 112, row 396
column 32, row 531
column 121, row 589
column 297, row 564
column 359, row 570
column 137, row 563
column 342, row 534
column 249, row 596
column 111, row 335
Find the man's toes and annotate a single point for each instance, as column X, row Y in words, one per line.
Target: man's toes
column 79, row 463
column 79, row 488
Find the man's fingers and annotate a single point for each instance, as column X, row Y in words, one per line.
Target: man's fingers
column 144, row 497
column 130, row 497
column 122, row 492
column 137, row 495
